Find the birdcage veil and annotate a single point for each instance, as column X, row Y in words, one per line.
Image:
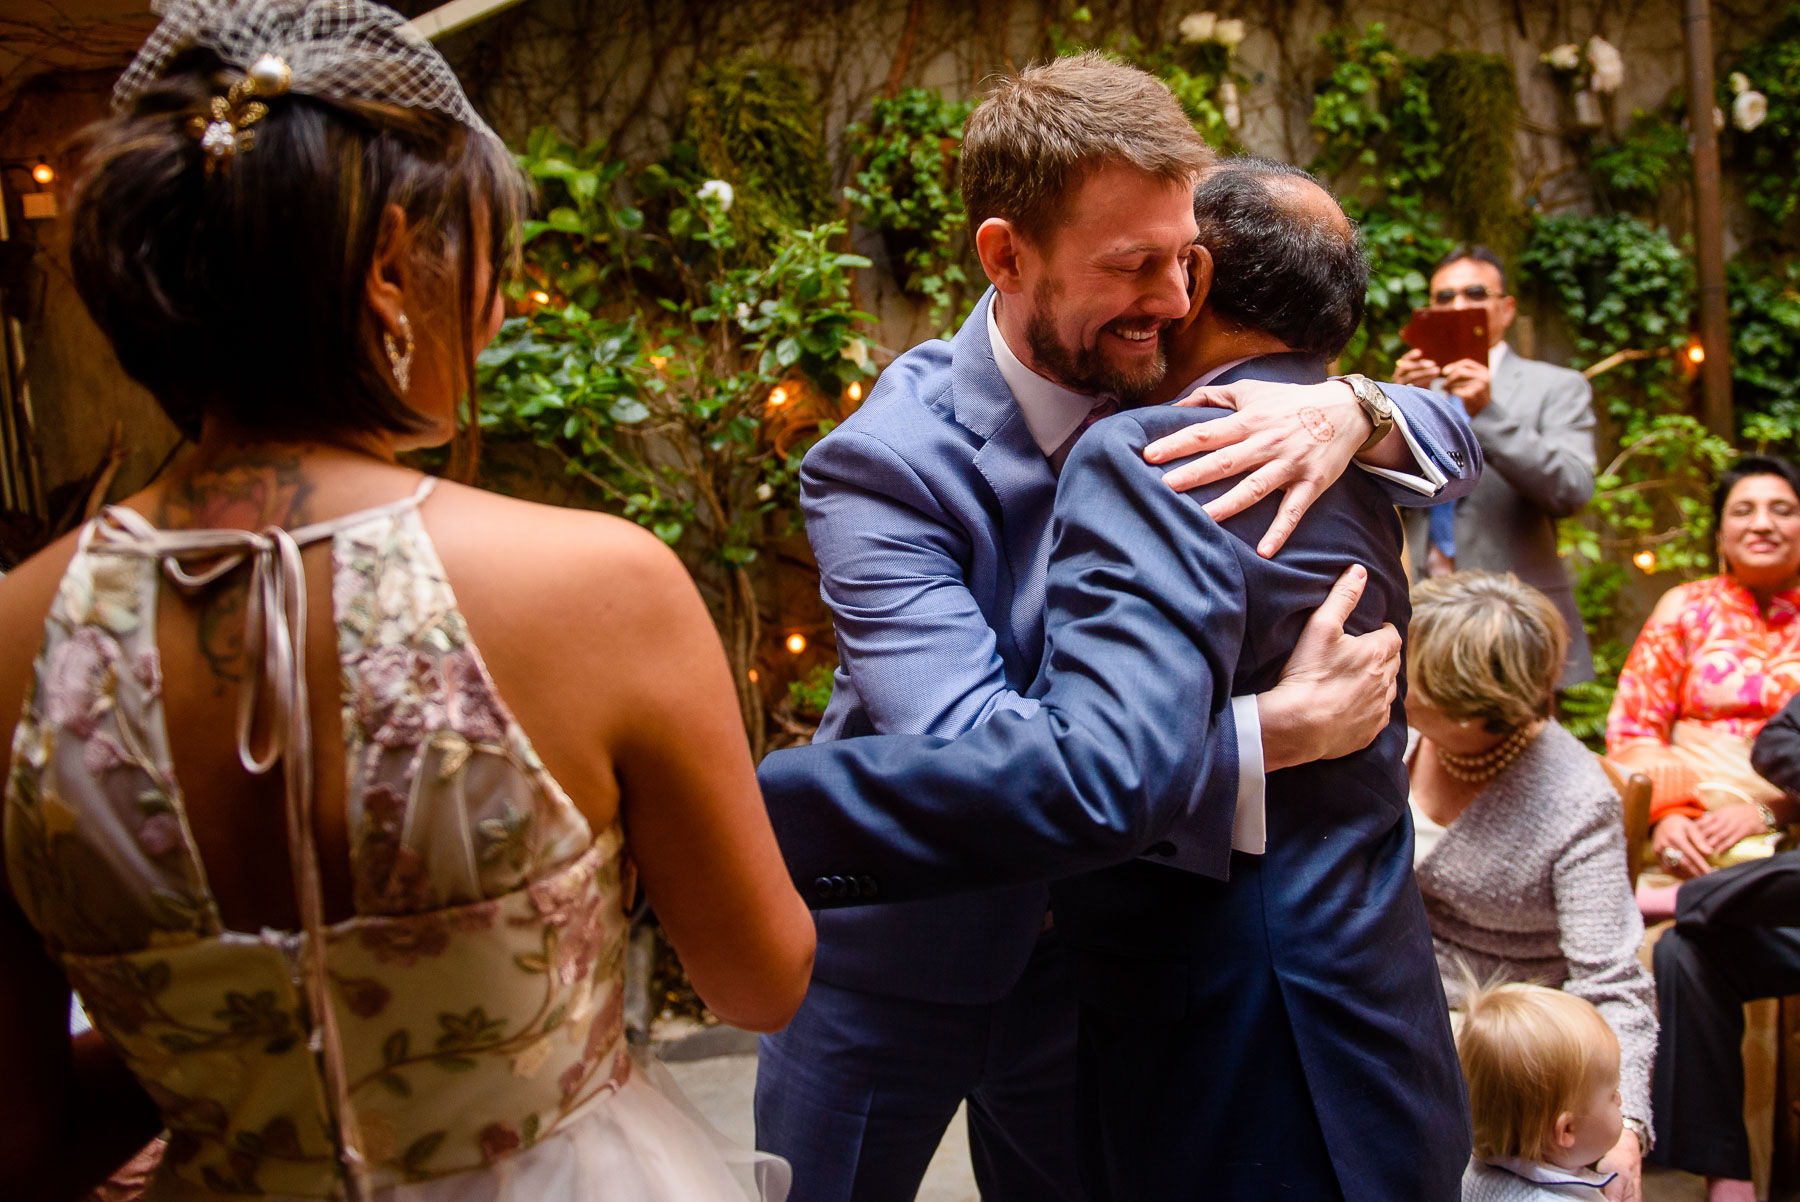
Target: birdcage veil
column 335, row 50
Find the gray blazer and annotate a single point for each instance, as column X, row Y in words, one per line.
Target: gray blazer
column 1538, row 436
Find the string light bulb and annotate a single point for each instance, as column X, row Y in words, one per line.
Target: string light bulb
column 778, row 396
column 1696, row 353
column 659, row 361
column 1645, row 560
column 540, row 298
column 754, row 676
column 856, row 390
column 796, row 643
column 43, row 173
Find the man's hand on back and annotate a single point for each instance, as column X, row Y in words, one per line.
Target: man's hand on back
column 1296, row 437
column 1337, row 691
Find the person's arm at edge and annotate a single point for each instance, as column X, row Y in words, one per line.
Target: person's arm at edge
column 71, row 1113
column 1088, row 780
column 688, row 798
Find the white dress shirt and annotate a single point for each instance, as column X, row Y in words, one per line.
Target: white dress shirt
column 1053, row 413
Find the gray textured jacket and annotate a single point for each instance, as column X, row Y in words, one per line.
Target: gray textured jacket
column 1529, row 884
column 1538, row 436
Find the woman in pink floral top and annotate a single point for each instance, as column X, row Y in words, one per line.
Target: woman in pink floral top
column 1716, row 660
column 322, row 777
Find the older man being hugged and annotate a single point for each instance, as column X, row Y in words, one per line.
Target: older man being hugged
column 930, row 514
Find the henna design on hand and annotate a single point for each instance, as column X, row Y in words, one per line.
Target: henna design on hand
column 1315, row 423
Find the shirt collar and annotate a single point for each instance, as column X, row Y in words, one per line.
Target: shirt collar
column 1214, row 374
column 1052, row 412
column 1496, row 356
column 1549, row 1174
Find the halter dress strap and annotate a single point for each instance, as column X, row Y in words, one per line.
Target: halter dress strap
column 275, row 635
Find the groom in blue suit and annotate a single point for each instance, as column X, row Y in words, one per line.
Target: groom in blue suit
column 929, row 511
column 1281, row 1033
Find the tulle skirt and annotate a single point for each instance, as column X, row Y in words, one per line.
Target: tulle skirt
column 643, row 1143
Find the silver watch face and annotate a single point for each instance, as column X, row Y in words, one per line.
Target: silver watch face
column 1373, row 398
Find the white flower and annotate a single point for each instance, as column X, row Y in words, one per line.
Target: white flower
column 1198, row 27
column 1608, row 65
column 1565, row 57
column 1229, row 33
column 1228, row 105
column 857, row 351
column 1740, row 83
column 1749, row 109
column 719, row 190
column 764, row 492
column 743, row 311
column 1718, row 118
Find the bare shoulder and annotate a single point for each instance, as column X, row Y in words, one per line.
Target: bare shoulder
column 550, row 551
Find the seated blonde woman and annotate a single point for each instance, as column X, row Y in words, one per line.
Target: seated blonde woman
column 1716, row 660
column 1520, row 845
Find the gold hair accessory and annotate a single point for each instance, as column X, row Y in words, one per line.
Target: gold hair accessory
column 225, row 128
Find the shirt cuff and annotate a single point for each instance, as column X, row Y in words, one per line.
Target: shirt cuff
column 1430, row 478
column 1249, row 831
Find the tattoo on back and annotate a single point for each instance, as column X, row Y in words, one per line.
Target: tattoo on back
column 247, row 492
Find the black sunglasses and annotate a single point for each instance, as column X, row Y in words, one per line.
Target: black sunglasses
column 1475, row 292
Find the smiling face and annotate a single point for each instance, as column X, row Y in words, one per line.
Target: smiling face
column 1098, row 290
column 1759, row 532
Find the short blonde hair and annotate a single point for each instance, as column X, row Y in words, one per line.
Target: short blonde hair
column 1529, row 1054
column 1485, row 646
column 1040, row 133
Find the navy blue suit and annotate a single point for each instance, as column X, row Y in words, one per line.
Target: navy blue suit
column 1282, row 1034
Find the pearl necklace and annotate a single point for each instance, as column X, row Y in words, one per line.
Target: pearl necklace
column 1474, row 769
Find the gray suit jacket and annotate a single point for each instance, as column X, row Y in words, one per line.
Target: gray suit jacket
column 1538, row 436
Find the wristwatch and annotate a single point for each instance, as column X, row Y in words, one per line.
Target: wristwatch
column 1375, row 403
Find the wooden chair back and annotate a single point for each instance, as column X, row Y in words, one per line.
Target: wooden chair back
column 1634, row 792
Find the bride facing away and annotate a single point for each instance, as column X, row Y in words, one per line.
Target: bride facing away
column 325, row 777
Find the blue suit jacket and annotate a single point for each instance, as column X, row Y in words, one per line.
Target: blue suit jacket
column 929, row 513
column 1157, row 616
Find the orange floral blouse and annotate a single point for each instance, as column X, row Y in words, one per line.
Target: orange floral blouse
column 1721, row 663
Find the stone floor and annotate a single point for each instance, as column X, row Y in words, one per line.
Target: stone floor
column 716, row 1068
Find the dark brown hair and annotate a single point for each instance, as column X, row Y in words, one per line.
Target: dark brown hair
column 240, row 293
column 1040, row 133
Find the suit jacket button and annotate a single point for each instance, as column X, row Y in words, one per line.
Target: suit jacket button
column 869, row 887
column 840, row 888
column 1164, row 849
column 822, row 888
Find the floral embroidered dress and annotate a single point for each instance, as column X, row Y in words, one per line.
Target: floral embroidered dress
column 462, row 1036
column 1695, row 692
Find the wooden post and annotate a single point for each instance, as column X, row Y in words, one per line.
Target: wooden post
column 1709, row 224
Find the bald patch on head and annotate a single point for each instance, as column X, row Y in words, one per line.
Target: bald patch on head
column 1304, row 200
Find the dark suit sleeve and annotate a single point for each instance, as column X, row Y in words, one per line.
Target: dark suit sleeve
column 1762, row 893
column 1146, row 618
column 1776, row 753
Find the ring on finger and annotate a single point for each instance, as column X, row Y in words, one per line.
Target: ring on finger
column 1673, row 856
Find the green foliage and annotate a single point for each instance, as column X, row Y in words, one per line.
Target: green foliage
column 1582, row 709
column 1618, row 282
column 1199, row 73
column 1765, row 351
column 1476, row 103
column 1379, row 141
column 670, row 368
column 812, row 692
column 1633, row 171
column 1374, row 118
column 754, row 124
column 907, row 188
column 1769, row 156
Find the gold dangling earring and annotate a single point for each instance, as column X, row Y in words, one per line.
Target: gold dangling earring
column 399, row 360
